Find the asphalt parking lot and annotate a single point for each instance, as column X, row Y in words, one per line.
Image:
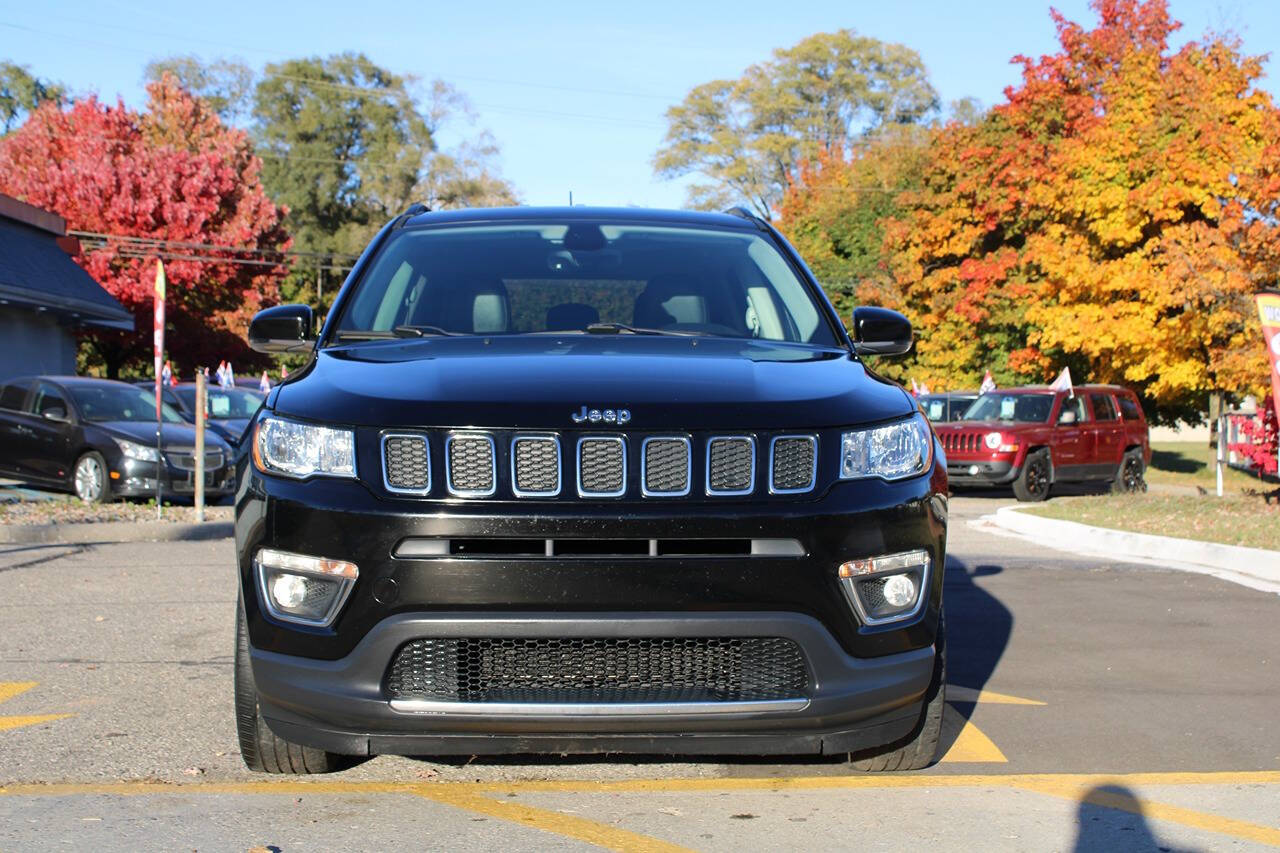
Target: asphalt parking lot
column 1094, row 706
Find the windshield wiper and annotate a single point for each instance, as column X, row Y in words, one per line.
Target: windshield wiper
column 419, row 331
column 619, row 328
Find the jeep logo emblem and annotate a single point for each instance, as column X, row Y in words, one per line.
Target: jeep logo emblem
column 608, row 416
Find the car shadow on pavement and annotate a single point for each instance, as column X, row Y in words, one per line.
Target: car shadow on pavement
column 1109, row 818
column 978, row 631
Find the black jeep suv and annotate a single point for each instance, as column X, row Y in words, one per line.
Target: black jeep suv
column 587, row 480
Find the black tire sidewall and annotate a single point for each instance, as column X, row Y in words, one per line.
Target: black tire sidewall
column 1020, row 489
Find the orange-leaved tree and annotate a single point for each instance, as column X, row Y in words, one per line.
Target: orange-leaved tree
column 175, row 176
column 1113, row 214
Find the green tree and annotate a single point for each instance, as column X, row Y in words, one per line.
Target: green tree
column 747, row 136
column 224, row 84
column 21, row 93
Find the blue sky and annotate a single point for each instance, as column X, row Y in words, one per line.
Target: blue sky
column 573, row 92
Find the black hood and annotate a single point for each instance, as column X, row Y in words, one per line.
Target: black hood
column 539, row 381
column 171, row 435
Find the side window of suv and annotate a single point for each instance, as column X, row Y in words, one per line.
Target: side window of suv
column 1129, row 408
column 1074, row 405
column 1103, row 408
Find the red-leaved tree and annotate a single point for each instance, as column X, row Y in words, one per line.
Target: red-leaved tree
column 172, row 173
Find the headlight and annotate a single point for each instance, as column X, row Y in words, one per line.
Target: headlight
column 891, row 452
column 141, row 452
column 992, row 440
column 303, row 450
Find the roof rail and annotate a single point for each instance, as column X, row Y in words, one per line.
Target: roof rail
column 409, row 212
column 742, row 213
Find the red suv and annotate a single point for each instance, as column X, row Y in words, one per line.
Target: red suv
column 1034, row 437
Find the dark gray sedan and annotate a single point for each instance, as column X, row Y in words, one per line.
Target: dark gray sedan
column 97, row 438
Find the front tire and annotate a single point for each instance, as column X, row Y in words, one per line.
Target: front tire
column 1131, row 478
column 89, row 478
column 920, row 748
column 1032, row 483
column 262, row 750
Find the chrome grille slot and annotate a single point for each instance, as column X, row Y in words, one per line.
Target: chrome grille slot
column 471, row 464
column 794, row 464
column 666, row 464
column 731, row 465
column 535, row 465
column 602, row 466
column 406, row 464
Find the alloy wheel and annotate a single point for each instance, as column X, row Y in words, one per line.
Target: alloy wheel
column 88, row 479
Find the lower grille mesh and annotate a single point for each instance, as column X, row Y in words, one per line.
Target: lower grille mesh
column 598, row 669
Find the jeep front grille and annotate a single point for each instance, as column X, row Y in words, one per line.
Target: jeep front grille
column 471, row 463
column 731, row 465
column 962, row 442
column 667, row 465
column 794, row 464
column 598, row 670
column 406, row 463
column 535, row 465
column 602, row 466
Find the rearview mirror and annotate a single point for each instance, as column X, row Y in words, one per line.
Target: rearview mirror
column 879, row 331
column 284, row 328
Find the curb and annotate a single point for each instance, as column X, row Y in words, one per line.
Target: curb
column 1256, row 568
column 113, row 531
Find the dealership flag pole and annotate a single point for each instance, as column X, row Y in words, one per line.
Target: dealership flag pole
column 158, row 335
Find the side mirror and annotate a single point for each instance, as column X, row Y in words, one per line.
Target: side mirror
column 55, row 413
column 1067, row 418
column 284, row 328
column 879, row 331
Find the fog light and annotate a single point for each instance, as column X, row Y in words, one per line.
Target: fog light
column 899, row 591
column 973, row 470
column 302, row 589
column 289, row 591
column 886, row 589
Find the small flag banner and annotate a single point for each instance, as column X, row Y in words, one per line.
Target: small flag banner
column 1269, row 314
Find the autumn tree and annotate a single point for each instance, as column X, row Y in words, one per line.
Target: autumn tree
column 21, row 92
column 746, row 136
column 834, row 209
column 171, row 173
column 226, row 85
column 1113, row 214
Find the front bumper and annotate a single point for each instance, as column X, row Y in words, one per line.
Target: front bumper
column 981, row 472
column 138, row 479
column 326, row 687
column 340, row 706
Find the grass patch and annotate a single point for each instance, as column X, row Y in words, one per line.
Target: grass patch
column 1230, row 520
column 1190, row 463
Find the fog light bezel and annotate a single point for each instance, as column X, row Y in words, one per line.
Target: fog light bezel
column 851, row 572
column 269, row 561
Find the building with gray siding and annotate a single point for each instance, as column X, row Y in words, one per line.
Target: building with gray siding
column 45, row 296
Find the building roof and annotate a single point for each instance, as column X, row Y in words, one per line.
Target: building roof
column 36, row 272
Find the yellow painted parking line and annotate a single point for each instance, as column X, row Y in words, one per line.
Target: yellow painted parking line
column 859, row 781
column 7, row 723
column 971, row 745
column 956, row 693
column 10, row 689
column 567, row 825
column 1152, row 810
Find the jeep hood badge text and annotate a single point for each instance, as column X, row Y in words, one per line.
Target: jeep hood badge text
column 608, row 416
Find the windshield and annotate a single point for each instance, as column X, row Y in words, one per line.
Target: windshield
column 583, row 277
column 119, row 403
column 223, row 402
column 1023, row 408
